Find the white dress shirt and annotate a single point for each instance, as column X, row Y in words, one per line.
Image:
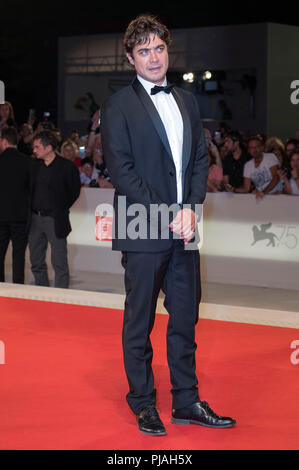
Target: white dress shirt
column 173, row 123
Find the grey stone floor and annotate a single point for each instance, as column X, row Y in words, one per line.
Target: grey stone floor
column 225, row 294
column 258, row 297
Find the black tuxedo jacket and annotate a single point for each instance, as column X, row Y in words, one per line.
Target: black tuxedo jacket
column 15, row 186
column 140, row 162
column 65, row 186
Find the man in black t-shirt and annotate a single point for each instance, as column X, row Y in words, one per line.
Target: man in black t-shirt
column 234, row 162
column 55, row 187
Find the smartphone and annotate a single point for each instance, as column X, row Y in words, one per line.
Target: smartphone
column 46, row 115
column 82, row 151
column 217, row 136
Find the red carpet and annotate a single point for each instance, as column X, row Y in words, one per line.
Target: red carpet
column 63, row 385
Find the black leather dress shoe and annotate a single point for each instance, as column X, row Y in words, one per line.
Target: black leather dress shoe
column 149, row 422
column 200, row 413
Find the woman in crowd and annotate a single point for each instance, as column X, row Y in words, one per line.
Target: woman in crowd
column 7, row 116
column 290, row 146
column 70, row 151
column 215, row 177
column 276, row 146
column 291, row 178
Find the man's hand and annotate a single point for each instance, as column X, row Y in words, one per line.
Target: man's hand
column 95, row 119
column 229, row 188
column 184, row 224
column 281, row 173
column 104, row 183
column 259, row 194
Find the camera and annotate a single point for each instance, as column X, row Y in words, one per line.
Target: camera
column 46, row 124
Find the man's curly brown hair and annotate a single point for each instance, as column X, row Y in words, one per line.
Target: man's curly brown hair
column 140, row 29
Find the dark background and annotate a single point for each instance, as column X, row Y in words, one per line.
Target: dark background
column 29, row 33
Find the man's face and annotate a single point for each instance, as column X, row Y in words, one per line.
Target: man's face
column 26, row 130
column 289, row 148
column 150, row 59
column 255, row 149
column 75, row 137
column 294, row 162
column 68, row 152
column 4, row 111
column 228, row 144
column 40, row 151
column 87, row 169
column 58, row 136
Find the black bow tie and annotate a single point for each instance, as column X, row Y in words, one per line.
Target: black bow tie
column 156, row 89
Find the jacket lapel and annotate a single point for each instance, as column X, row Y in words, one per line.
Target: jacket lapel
column 153, row 113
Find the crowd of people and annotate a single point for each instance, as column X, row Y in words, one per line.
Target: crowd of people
column 85, row 151
column 253, row 164
column 238, row 163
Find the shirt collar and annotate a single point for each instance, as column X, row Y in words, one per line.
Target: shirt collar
column 149, row 85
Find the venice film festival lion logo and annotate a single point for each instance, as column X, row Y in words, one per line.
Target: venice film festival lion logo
column 262, row 234
column 286, row 236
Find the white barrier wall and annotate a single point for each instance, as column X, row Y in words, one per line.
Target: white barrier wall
column 251, row 242
column 245, row 241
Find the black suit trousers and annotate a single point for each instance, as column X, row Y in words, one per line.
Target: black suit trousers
column 18, row 234
column 177, row 272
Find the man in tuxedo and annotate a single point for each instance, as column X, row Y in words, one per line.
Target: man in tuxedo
column 55, row 187
column 14, row 207
column 155, row 151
